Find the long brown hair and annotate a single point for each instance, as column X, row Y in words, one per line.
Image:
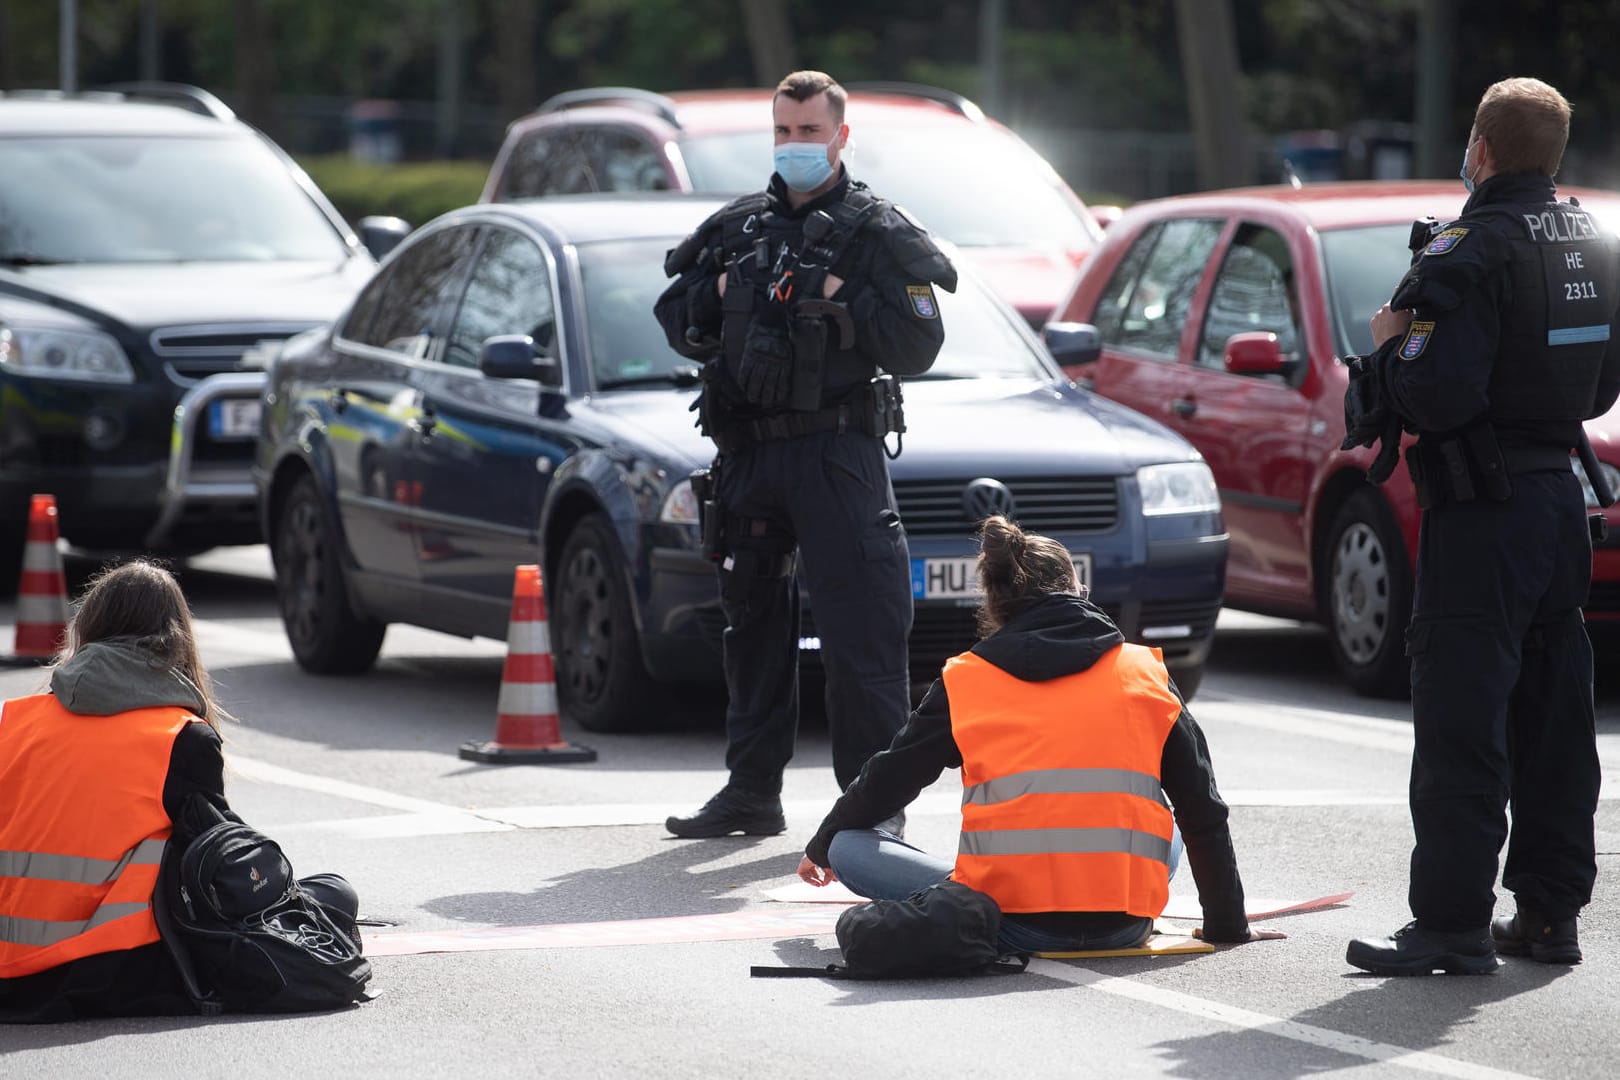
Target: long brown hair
column 1016, row 569
column 140, row 602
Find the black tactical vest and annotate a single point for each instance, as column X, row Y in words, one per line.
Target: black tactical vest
column 774, row 260
column 1563, row 290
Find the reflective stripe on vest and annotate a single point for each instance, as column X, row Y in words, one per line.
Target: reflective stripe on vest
column 1055, row 781
column 82, row 830
column 1062, row 808
column 1065, row 842
column 80, row 871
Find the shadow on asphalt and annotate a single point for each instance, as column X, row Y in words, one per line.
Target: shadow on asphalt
column 621, row 892
column 1413, row 1013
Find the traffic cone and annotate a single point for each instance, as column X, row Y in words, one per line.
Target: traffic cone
column 41, row 590
column 527, row 728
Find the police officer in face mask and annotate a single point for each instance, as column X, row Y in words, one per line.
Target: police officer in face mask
column 805, row 301
column 1499, row 341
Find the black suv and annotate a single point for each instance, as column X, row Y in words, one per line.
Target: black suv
column 151, row 247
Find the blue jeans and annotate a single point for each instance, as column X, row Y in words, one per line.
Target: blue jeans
column 880, row 866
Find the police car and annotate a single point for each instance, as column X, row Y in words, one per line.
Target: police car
column 501, row 394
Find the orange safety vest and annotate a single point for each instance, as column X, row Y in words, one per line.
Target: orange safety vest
column 1062, row 809
column 82, row 830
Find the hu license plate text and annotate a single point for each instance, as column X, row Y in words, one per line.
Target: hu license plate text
column 957, row 578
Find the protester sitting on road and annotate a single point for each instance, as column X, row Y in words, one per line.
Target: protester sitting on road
column 93, row 777
column 1069, row 741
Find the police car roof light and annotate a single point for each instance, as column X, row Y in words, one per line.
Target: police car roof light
column 661, row 106
column 950, row 99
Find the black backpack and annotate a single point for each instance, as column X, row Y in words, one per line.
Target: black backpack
column 944, row 930
column 244, row 934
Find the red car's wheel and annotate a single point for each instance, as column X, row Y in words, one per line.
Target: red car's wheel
column 1369, row 597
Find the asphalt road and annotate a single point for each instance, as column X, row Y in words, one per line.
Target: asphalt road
column 361, row 776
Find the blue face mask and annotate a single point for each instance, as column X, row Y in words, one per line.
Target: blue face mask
column 803, row 166
column 1463, row 172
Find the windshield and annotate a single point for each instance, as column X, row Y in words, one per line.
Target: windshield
column 128, row 199
column 1363, row 267
column 623, row 279
column 976, row 187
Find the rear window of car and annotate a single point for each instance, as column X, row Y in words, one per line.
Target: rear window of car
column 623, row 279
column 129, row 199
column 976, row 186
column 1363, row 266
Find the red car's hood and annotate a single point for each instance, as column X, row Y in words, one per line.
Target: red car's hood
column 1033, row 280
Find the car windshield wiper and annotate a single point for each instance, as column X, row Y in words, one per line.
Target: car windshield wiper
column 683, row 376
column 22, row 258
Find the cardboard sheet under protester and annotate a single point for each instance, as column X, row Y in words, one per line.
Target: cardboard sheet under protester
column 807, row 921
column 1182, row 908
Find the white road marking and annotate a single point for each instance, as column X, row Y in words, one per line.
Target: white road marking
column 1328, row 1039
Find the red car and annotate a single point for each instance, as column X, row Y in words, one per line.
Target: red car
column 964, row 176
column 1225, row 316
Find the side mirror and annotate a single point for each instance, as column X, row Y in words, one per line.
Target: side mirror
column 1105, row 216
column 380, row 234
column 512, row 356
column 1072, row 343
column 1254, row 353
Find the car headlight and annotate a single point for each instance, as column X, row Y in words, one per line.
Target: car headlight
column 1610, row 473
column 83, row 355
column 680, row 505
column 1186, row 487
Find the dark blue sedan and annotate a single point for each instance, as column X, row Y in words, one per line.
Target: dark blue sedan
column 407, row 463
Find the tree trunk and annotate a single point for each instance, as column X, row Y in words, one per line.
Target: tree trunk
column 255, row 65
column 1437, row 153
column 1209, row 63
column 770, row 39
column 515, row 52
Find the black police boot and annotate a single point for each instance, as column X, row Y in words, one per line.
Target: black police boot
column 1530, row 934
column 1412, row 950
column 732, row 810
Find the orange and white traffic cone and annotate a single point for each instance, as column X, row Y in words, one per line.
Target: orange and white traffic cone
column 42, row 589
column 527, row 727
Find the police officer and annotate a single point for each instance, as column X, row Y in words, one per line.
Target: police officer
column 804, row 300
column 1496, row 345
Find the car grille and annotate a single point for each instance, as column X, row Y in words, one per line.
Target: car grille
column 191, row 353
column 1198, row 615
column 1055, row 504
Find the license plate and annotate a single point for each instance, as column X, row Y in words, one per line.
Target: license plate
column 958, row 578
column 234, row 418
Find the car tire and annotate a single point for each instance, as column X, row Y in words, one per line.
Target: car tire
column 1187, row 679
column 1367, row 597
column 327, row 635
column 602, row 683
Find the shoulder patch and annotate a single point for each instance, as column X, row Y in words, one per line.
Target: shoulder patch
column 1445, row 241
column 922, row 301
column 1417, row 339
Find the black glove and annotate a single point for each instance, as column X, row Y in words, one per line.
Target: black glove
column 1364, row 411
column 765, row 370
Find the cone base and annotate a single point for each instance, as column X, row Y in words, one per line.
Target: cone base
column 493, row 753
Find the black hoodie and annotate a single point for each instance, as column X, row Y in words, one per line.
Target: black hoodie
column 1061, row 635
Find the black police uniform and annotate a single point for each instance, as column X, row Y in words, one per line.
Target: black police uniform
column 1512, row 344
column 798, row 409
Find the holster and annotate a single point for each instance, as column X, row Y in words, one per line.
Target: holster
column 711, row 514
column 1460, row 468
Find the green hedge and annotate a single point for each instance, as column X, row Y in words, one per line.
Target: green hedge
column 415, row 191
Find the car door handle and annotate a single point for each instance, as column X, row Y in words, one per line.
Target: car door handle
column 1184, row 406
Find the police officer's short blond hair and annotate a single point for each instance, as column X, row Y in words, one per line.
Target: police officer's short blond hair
column 804, row 85
column 1526, row 123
